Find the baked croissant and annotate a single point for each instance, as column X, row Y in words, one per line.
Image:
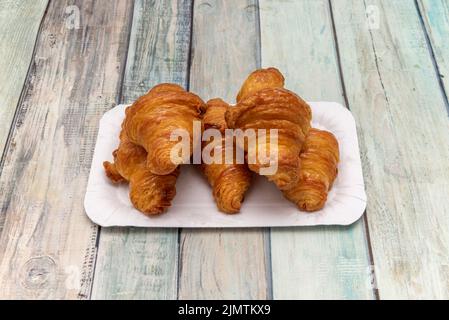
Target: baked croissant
column 149, row 193
column 152, row 118
column 229, row 181
column 319, row 159
column 263, row 103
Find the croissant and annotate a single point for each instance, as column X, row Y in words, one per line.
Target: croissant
column 263, row 103
column 149, row 193
column 155, row 116
column 319, row 159
column 229, row 181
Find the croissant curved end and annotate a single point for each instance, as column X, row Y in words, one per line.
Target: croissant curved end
column 152, row 194
column 261, row 79
column 112, row 172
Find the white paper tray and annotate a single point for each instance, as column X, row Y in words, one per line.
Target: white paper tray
column 264, row 206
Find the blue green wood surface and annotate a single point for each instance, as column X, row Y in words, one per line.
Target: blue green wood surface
column 48, row 245
column 230, row 263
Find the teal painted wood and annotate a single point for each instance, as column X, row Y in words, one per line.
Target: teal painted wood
column 19, row 25
column 223, row 264
column 159, row 46
column 143, row 263
column 395, row 96
column 318, row 262
column 47, row 247
column 435, row 14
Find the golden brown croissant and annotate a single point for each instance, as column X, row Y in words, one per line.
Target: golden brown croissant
column 263, row 103
column 319, row 159
column 261, row 79
column 153, row 118
column 149, row 193
column 229, row 181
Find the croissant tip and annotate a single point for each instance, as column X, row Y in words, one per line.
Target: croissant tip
column 231, row 211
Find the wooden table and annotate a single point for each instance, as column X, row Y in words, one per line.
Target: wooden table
column 63, row 63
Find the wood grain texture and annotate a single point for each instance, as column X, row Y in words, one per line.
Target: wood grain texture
column 143, row 263
column 318, row 262
column 394, row 94
column 435, row 14
column 47, row 247
column 19, row 25
column 230, row 264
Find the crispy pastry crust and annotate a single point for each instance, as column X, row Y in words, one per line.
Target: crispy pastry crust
column 149, row 193
column 261, row 79
column 319, row 159
column 229, row 181
column 152, row 118
column 264, row 104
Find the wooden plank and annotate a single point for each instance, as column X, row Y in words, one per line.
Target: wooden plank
column 435, row 14
column 143, row 263
column 47, row 247
column 230, row 264
column 319, row 262
column 394, row 94
column 19, row 25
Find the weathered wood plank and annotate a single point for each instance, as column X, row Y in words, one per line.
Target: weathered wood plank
column 19, row 25
column 320, row 262
column 435, row 14
column 47, row 247
column 142, row 263
column 229, row 264
column 394, row 94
